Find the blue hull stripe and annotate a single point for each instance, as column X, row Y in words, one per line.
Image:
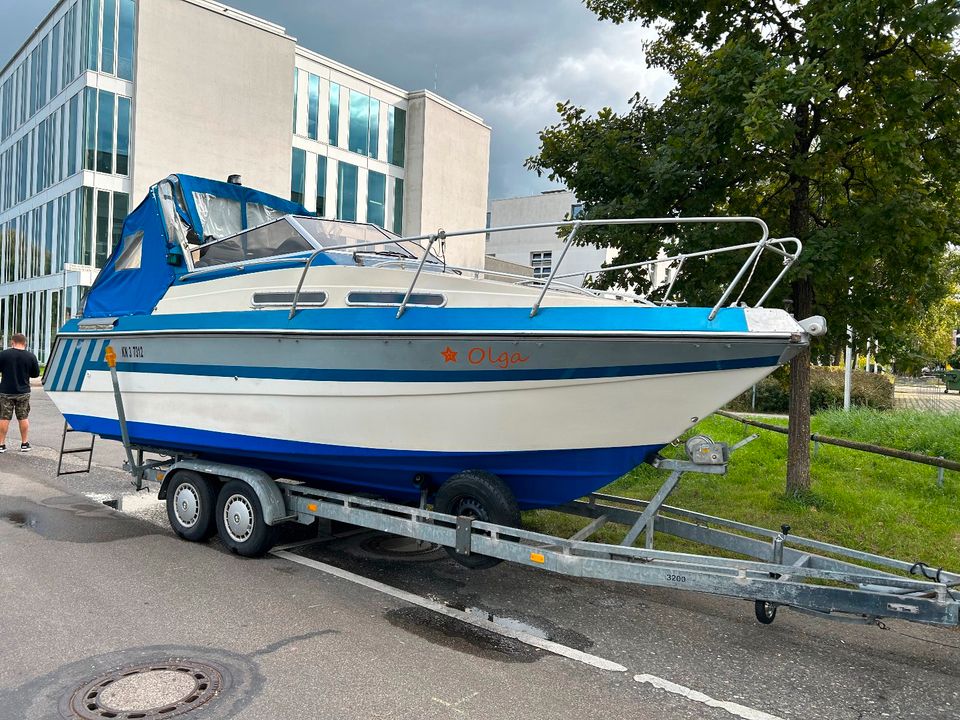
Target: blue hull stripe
column 73, row 363
column 597, row 319
column 67, row 346
column 359, row 375
column 538, row 478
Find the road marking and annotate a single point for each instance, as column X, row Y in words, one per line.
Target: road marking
column 470, row 619
column 733, row 708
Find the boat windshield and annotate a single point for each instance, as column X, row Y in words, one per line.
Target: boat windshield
column 279, row 237
column 335, row 233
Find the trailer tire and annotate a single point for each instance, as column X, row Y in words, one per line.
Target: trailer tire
column 765, row 611
column 240, row 522
column 482, row 496
column 191, row 503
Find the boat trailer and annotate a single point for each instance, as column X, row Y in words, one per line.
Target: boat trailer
column 786, row 570
column 774, row 568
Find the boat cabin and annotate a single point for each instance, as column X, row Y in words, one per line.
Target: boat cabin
column 189, row 229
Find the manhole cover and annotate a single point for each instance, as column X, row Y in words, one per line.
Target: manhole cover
column 155, row 690
column 401, row 548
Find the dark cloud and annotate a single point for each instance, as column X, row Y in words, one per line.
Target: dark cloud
column 508, row 61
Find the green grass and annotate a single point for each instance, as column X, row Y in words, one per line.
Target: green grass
column 869, row 502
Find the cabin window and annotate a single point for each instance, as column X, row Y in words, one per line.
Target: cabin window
column 380, row 297
column 219, row 216
column 276, row 238
column 284, row 298
column 129, row 258
column 259, row 214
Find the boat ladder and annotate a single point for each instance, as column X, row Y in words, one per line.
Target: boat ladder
column 64, row 450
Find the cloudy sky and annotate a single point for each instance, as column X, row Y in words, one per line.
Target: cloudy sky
column 508, row 61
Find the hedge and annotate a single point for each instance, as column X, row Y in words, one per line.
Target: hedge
column 826, row 391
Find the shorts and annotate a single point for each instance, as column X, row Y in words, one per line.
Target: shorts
column 10, row 404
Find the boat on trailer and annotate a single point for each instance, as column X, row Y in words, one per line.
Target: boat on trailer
column 247, row 331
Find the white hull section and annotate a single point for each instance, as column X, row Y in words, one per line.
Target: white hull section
column 437, row 416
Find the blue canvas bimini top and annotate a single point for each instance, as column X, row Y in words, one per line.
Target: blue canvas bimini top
column 179, row 211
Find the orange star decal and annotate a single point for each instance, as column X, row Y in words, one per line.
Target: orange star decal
column 449, row 355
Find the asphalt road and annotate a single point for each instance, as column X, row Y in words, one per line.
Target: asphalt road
column 85, row 589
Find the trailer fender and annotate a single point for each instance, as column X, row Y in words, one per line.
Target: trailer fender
column 271, row 499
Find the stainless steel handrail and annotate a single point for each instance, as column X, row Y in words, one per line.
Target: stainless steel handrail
column 776, row 245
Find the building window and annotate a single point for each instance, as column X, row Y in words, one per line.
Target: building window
column 321, row 185
column 72, row 165
column 346, row 191
column 103, row 227
column 125, row 33
column 334, row 114
column 313, row 106
column 576, row 211
column 364, row 129
column 297, row 175
column 396, row 135
column 89, row 128
column 541, row 262
column 123, row 136
column 296, row 97
column 358, row 133
column 105, row 109
column 121, row 206
column 373, row 135
column 376, row 198
column 107, row 48
column 398, row 206
column 91, row 32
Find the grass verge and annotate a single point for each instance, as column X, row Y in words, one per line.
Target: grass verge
column 868, row 502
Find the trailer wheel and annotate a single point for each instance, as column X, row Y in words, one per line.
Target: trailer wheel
column 240, row 521
column 482, row 496
column 765, row 611
column 191, row 499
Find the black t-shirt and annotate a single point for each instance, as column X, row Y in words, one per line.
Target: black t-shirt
column 16, row 368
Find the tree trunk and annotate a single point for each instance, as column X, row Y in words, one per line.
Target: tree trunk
column 798, row 439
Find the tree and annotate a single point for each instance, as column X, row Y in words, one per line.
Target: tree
column 838, row 121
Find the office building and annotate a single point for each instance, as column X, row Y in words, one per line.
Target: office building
column 106, row 97
column 540, row 248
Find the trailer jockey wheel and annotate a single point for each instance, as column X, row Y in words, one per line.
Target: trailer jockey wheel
column 765, row 611
column 482, row 496
column 240, row 521
column 191, row 498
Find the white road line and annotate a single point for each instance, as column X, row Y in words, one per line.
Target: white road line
column 733, row 708
column 526, row 638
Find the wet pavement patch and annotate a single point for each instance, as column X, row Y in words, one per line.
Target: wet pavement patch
column 71, row 519
column 460, row 636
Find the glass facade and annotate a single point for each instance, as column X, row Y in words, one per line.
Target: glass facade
column 313, row 106
column 298, row 175
column 52, row 127
column 364, row 128
column 396, row 135
column 398, row 206
column 321, row 193
column 376, row 198
column 347, row 175
column 334, row 134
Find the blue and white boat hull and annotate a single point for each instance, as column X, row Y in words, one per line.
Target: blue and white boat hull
column 555, row 414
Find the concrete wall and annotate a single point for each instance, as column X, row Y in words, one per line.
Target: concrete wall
column 213, row 96
column 446, row 176
column 516, row 245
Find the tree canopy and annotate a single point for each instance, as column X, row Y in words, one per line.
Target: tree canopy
column 836, row 121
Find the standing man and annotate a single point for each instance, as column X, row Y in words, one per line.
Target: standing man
column 17, row 366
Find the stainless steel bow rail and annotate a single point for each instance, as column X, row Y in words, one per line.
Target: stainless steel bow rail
column 787, row 248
